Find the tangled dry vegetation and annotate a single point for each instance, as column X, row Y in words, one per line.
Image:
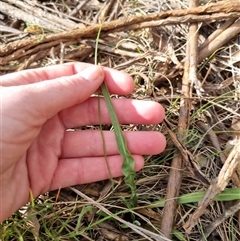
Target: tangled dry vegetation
column 182, row 54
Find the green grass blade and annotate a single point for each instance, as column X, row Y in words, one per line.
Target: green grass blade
column 128, row 161
column 229, row 194
column 99, row 114
column 178, row 235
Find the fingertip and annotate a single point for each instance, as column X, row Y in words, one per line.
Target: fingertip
column 162, row 142
column 151, row 112
column 161, row 112
column 139, row 163
column 157, row 112
column 118, row 82
column 152, row 143
column 92, row 73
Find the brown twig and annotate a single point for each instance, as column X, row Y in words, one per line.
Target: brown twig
column 220, row 40
column 35, row 16
column 193, row 55
column 31, row 7
column 148, row 235
column 228, row 213
column 20, row 53
column 175, row 176
column 215, row 41
column 217, row 32
column 7, row 29
column 188, row 158
column 182, row 19
column 214, row 139
column 76, row 34
column 34, row 58
column 216, row 187
column 103, row 14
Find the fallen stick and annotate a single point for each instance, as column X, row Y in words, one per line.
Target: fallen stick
column 227, row 213
column 29, row 17
column 175, row 176
column 216, row 187
column 90, row 31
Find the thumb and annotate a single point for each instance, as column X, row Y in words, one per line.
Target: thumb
column 51, row 96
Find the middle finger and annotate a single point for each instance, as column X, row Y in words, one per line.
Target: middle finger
column 90, row 143
column 128, row 112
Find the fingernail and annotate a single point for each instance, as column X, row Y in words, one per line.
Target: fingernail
column 93, row 73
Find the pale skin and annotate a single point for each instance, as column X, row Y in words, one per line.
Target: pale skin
column 37, row 150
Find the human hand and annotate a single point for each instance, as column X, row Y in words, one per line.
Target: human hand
column 36, row 151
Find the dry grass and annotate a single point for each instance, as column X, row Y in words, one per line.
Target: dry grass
column 154, row 57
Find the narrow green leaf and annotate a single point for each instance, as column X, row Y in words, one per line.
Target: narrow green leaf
column 99, row 114
column 229, row 194
column 178, row 235
column 128, row 161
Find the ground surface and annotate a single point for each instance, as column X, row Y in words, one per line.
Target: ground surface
column 193, row 70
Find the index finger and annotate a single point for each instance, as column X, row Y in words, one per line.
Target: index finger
column 118, row 82
column 30, row 76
